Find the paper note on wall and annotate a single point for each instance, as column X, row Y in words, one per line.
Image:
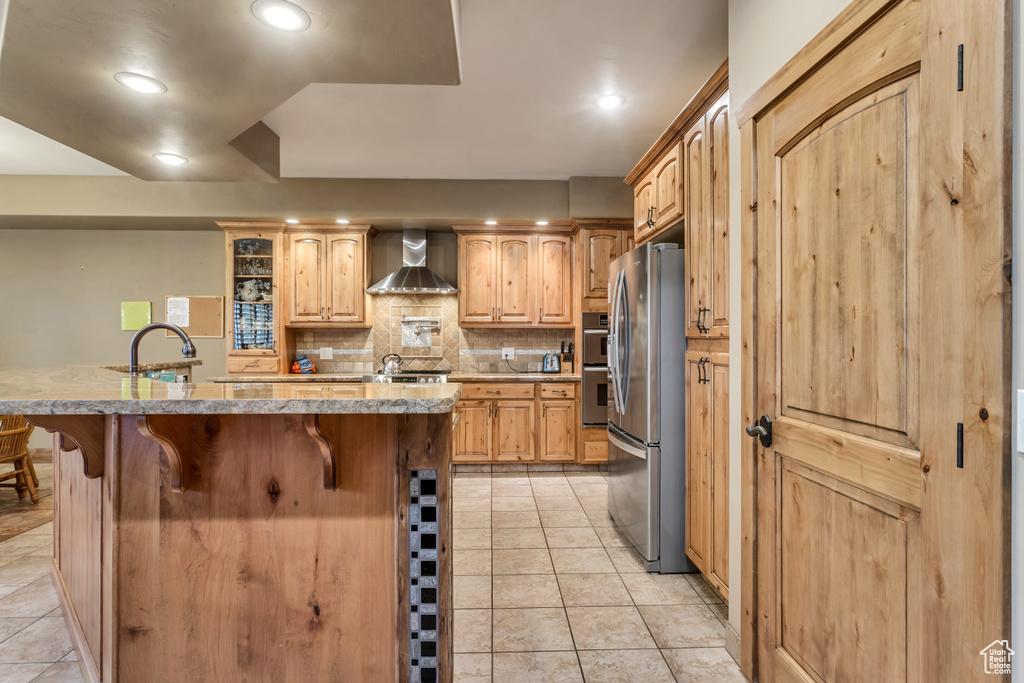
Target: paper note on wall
column 177, row 310
column 136, row 314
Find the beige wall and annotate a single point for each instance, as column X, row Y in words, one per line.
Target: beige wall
column 763, row 36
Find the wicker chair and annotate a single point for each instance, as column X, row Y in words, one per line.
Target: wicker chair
column 14, row 433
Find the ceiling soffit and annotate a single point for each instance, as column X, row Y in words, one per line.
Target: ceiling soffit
column 224, row 71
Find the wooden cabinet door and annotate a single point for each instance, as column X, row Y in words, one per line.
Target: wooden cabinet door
column 346, row 278
column 477, row 273
column 558, row 431
column 696, row 243
column 717, row 569
column 473, row 438
column 698, row 486
column 600, row 248
column 306, row 263
column 668, row 189
column 554, row 280
column 717, row 295
column 514, row 435
column 643, row 206
column 630, row 243
column 515, row 279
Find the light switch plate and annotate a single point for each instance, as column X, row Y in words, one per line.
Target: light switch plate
column 326, row 353
column 508, row 353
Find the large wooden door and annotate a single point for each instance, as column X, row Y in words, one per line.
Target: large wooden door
column 554, row 280
column 880, row 333
column 515, row 279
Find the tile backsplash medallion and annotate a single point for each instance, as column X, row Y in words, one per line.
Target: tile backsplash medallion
column 404, row 324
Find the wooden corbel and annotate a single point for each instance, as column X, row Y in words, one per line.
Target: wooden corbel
column 176, row 439
column 78, row 432
column 312, row 423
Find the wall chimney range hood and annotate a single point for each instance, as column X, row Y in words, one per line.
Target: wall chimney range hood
column 413, row 277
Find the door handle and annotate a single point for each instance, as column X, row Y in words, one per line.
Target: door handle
column 762, row 430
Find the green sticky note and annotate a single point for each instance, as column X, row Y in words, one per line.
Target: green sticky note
column 136, row 314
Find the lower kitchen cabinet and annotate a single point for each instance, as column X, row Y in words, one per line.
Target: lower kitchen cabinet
column 707, row 466
column 514, row 435
column 514, row 422
column 558, row 431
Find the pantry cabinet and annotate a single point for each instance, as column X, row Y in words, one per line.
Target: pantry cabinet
column 327, row 273
column 516, row 279
column 516, row 422
column 707, row 465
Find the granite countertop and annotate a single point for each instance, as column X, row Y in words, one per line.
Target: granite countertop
column 454, row 377
column 154, row 367
column 88, row 390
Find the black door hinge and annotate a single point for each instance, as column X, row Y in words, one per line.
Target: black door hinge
column 960, row 445
column 960, row 67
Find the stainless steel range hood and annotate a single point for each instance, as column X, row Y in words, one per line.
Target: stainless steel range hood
column 413, row 277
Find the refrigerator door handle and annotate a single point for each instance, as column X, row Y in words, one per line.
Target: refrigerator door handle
column 621, row 444
column 617, row 384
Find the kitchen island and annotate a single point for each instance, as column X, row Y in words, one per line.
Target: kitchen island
column 214, row 532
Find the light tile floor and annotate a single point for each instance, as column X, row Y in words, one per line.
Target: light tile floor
column 34, row 641
column 547, row 590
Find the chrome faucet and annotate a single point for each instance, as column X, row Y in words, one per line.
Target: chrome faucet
column 188, row 350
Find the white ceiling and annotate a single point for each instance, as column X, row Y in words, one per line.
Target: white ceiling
column 531, row 70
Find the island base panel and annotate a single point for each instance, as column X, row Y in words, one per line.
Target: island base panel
column 257, row 571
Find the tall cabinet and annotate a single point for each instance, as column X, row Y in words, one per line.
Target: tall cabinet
column 681, row 190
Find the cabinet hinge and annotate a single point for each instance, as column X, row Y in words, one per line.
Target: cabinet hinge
column 960, row 67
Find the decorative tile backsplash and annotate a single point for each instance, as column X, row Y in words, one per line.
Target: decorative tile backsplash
column 444, row 347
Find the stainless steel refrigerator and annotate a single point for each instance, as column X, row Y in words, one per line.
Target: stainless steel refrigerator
column 646, row 414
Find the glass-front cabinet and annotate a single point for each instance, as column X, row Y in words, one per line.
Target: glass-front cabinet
column 255, row 322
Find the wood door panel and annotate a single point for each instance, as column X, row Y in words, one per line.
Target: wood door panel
column 473, row 433
column 514, row 430
column 515, row 275
column 845, row 562
column 554, row 280
column 698, row 427
column 600, row 248
column 345, row 280
column 697, row 247
column 718, row 209
column 558, row 431
column 718, row 540
column 846, row 246
column 477, row 273
column 643, row 207
column 306, row 270
column 668, row 189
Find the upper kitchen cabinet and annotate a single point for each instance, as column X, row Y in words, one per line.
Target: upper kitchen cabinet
column 600, row 243
column 685, row 179
column 255, row 320
column 327, row 272
column 520, row 277
column 554, row 280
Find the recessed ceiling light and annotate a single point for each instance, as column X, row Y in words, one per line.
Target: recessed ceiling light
column 170, row 159
column 542, row 222
column 490, row 222
column 291, row 221
column 342, row 221
column 281, row 14
column 140, row 83
column 610, row 101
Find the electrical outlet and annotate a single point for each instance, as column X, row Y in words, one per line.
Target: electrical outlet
column 326, row 353
column 508, row 353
